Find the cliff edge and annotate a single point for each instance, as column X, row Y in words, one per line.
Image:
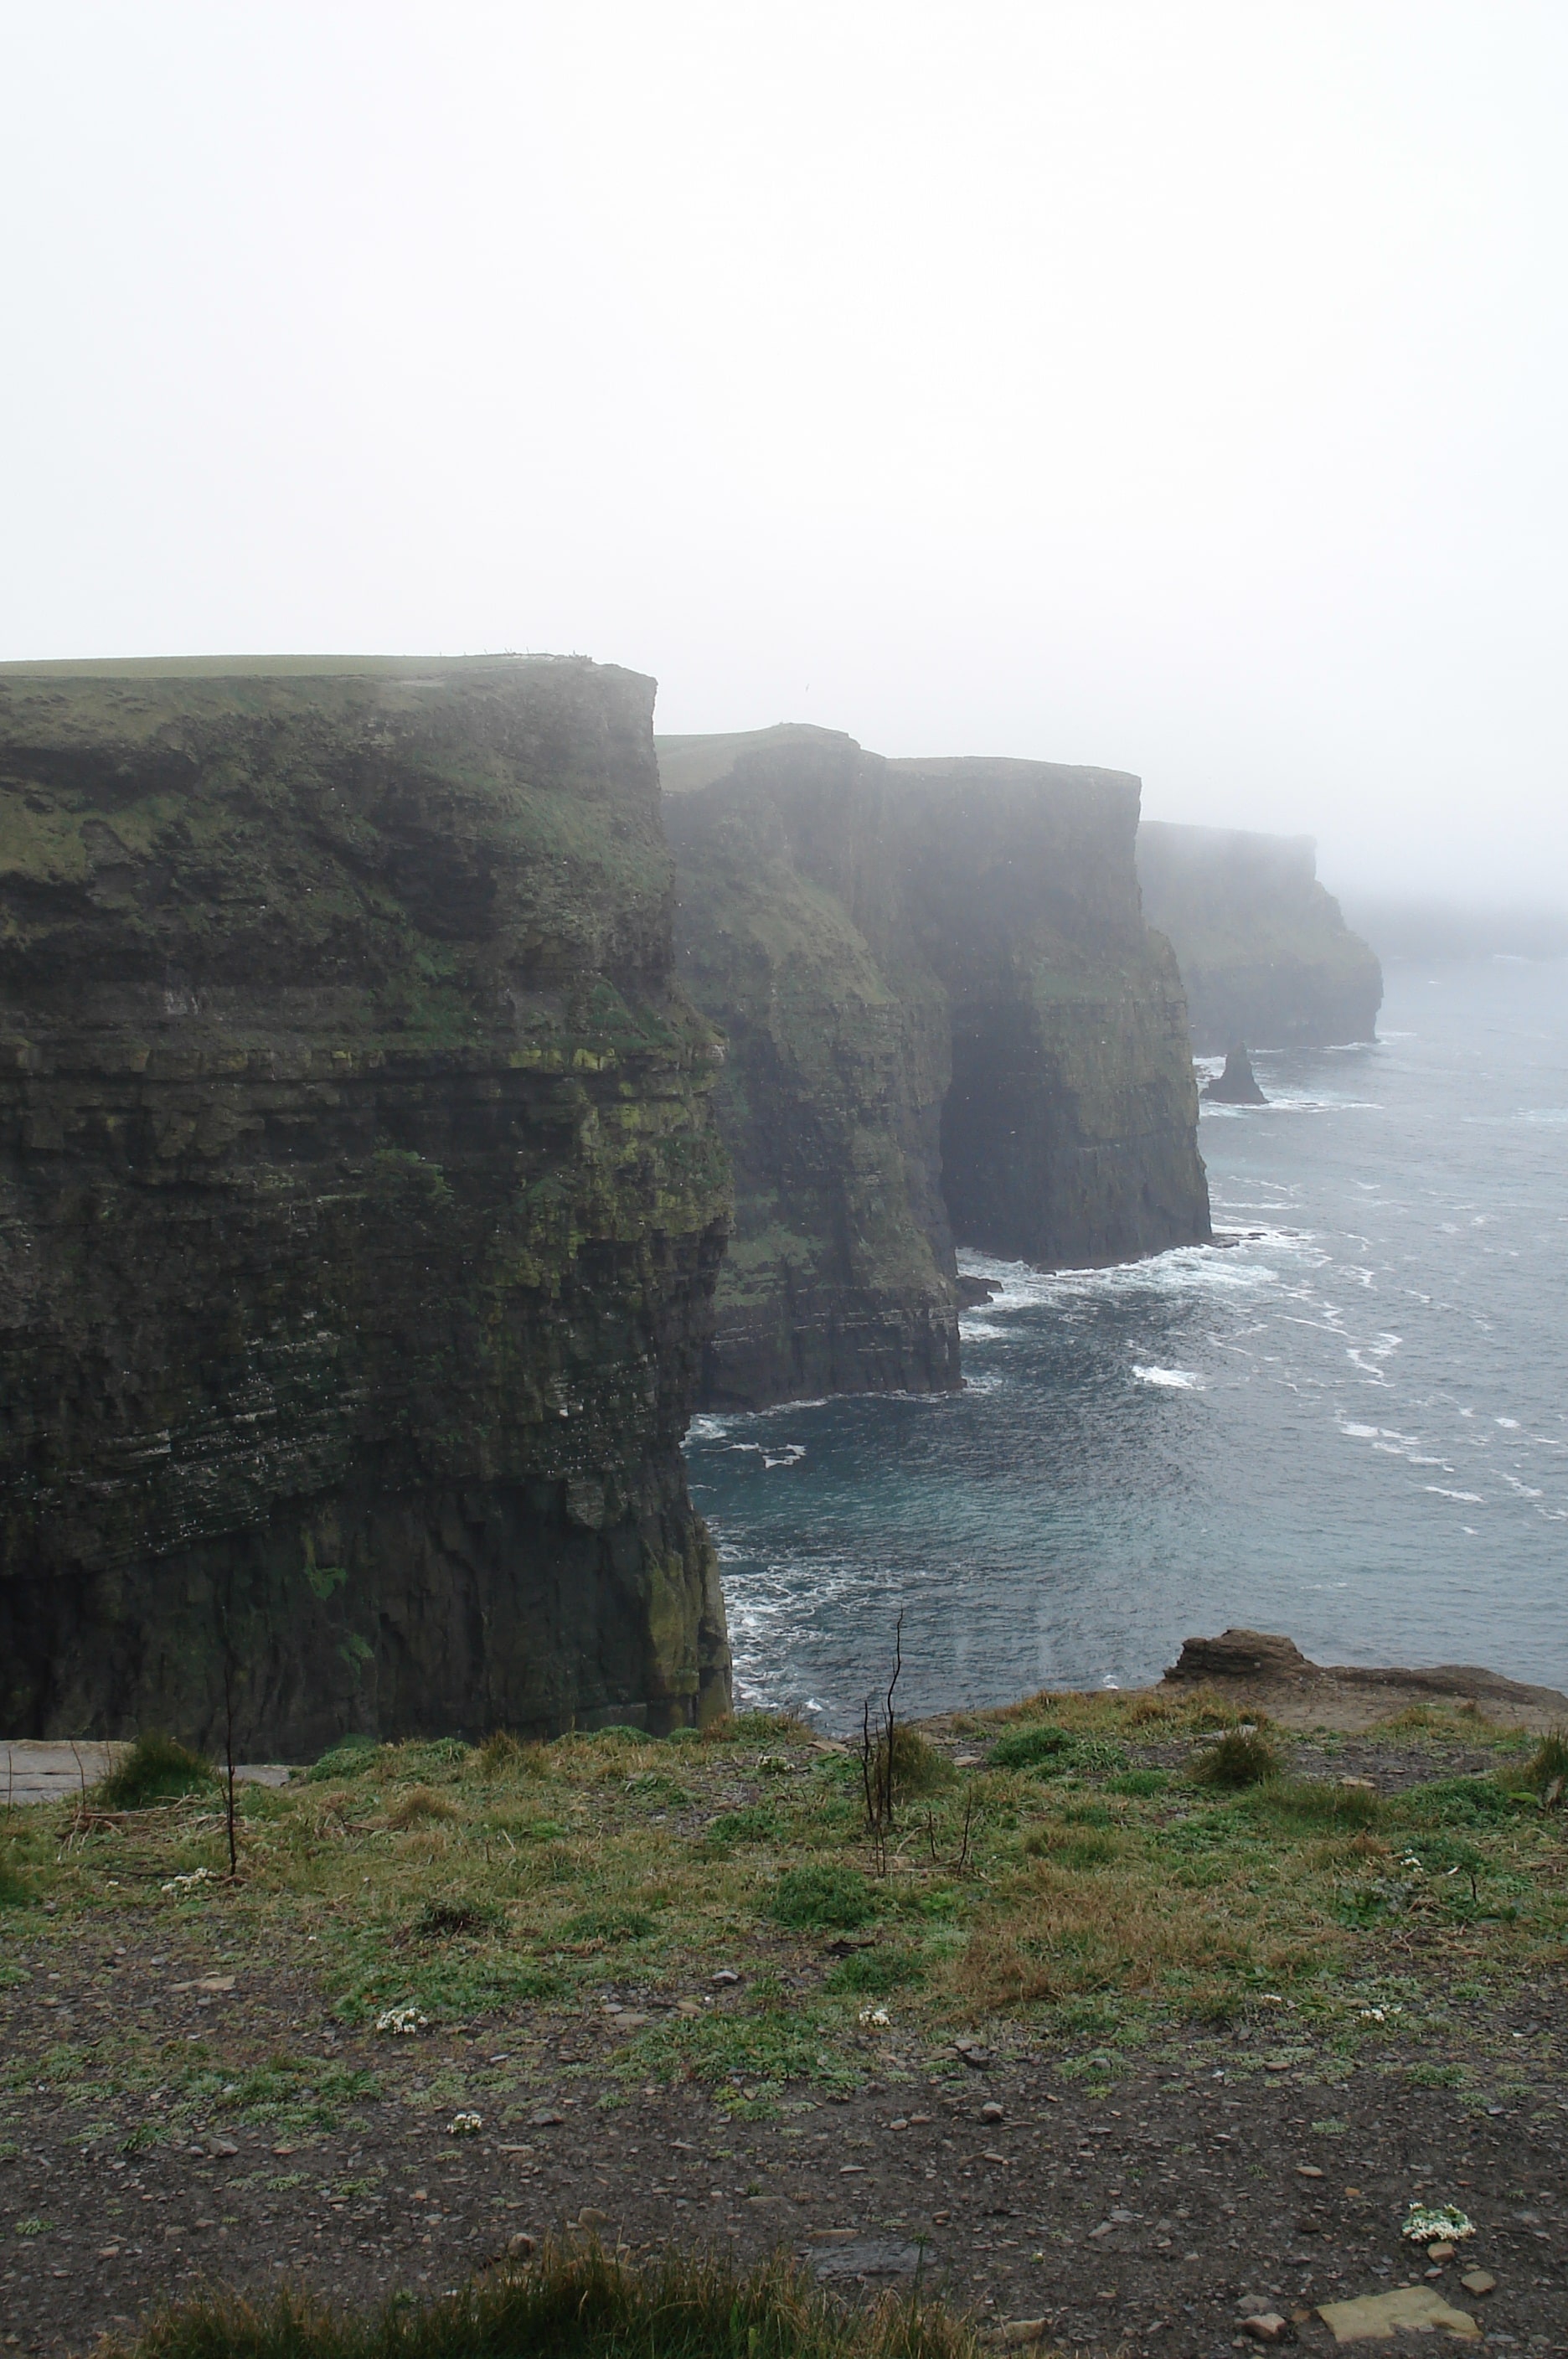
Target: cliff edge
column 946, row 1020
column 360, row 1205
column 1264, row 953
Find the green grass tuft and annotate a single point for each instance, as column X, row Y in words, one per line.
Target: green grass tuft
column 571, row 2303
column 156, row 1769
column 1313, row 1803
column 839, row 1898
column 1026, row 1748
column 918, row 1767
column 350, row 1757
column 1238, row 1759
column 1546, row 1771
column 875, row 1973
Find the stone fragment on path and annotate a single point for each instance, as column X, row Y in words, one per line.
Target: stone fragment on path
column 1478, row 2281
column 1373, row 2317
column 868, row 2257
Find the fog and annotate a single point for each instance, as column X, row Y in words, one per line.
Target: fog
column 1180, row 388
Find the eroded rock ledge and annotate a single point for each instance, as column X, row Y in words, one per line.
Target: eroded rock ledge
column 360, row 1206
column 1261, row 1667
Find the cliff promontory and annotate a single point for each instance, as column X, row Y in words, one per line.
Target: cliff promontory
column 360, row 1205
column 945, row 1020
column 1264, row 953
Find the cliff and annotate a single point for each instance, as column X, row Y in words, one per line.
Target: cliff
column 839, row 1275
column 946, row 1020
column 1264, row 953
column 360, row 1205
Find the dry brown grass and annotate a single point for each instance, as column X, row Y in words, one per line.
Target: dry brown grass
column 418, row 1807
column 1063, row 1937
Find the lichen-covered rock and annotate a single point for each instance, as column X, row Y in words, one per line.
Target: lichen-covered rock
column 360, row 1205
column 945, row 1017
column 1264, row 953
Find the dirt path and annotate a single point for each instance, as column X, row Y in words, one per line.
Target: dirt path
column 1134, row 2215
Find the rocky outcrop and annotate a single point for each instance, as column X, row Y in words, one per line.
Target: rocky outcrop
column 360, row 1206
column 946, row 1019
column 1237, row 1085
column 1264, row 954
column 1262, row 1668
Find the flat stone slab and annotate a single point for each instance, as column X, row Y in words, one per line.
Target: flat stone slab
column 32, row 1771
column 1375, row 2316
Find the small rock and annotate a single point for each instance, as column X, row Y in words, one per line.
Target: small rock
column 856, row 2257
column 545, row 2119
column 973, row 2054
column 222, row 2147
column 1440, row 2252
column 1478, row 2281
column 1308, row 2170
column 1265, row 2326
column 520, row 2243
column 1016, row 2331
column 992, row 2112
column 590, row 2217
column 1361, row 1785
column 1253, row 2305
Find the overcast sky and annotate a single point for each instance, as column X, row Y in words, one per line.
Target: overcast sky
column 1177, row 387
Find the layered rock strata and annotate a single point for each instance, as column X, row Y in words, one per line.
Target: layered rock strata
column 945, row 1020
column 360, row 1206
column 1264, row 953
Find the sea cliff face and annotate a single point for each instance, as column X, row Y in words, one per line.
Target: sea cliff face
column 946, row 1019
column 360, row 1206
column 839, row 1275
column 1264, row 953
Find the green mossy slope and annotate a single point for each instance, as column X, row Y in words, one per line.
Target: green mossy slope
column 360, row 1204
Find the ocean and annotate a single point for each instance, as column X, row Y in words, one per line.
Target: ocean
column 1351, row 1426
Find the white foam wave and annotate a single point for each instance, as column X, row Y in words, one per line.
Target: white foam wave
column 1466, row 1498
column 1180, row 1380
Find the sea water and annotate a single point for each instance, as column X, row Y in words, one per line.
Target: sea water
column 1351, row 1426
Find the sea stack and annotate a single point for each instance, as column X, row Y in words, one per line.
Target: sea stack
column 1237, row 1085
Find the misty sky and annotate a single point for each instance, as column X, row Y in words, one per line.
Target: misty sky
column 1177, row 387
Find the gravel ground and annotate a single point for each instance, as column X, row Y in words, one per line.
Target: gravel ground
column 1132, row 2214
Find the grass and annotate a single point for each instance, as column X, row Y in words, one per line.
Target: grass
column 531, row 1882
column 571, row 2302
column 156, row 1769
column 1241, row 1757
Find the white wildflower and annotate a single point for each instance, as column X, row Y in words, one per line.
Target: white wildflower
column 464, row 2125
column 1441, row 2224
column 402, row 2022
column 875, row 2018
column 183, row 1883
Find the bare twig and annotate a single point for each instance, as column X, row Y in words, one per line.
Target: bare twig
column 229, row 1753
